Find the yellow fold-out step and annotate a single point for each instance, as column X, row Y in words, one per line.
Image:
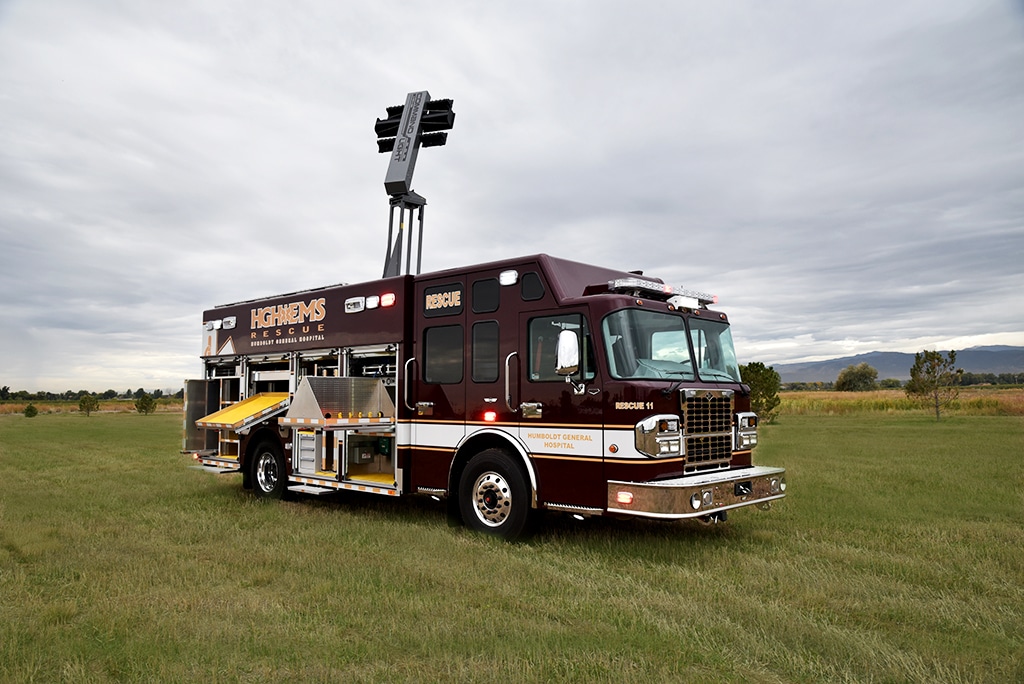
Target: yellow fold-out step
column 379, row 478
column 255, row 407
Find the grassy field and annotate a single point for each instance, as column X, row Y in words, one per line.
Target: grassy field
column 897, row 557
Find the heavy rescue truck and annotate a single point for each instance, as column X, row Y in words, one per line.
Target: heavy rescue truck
column 505, row 388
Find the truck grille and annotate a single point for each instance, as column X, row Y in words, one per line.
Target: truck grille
column 707, row 427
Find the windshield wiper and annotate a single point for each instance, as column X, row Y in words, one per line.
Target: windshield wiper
column 716, row 374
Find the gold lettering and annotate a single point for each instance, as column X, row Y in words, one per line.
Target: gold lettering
column 292, row 313
column 443, row 300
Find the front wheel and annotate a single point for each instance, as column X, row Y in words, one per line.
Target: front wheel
column 269, row 476
column 494, row 496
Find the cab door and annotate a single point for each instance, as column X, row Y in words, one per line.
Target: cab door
column 561, row 418
column 437, row 378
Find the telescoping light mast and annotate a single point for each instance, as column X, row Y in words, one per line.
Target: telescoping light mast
column 420, row 122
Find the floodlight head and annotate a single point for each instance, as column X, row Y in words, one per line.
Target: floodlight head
column 420, row 122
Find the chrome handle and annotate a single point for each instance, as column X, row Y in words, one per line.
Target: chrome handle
column 532, row 409
column 405, row 385
column 508, row 390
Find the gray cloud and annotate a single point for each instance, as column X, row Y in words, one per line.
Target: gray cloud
column 847, row 177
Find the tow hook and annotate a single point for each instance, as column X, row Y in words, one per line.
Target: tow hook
column 714, row 518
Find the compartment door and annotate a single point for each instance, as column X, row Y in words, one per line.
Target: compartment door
column 202, row 397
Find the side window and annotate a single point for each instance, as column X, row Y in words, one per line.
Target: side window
column 531, row 288
column 443, row 354
column 543, row 337
column 486, row 295
column 485, row 351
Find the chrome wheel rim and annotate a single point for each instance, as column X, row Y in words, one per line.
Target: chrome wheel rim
column 492, row 499
column 266, row 472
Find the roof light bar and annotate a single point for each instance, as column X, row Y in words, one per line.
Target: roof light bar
column 702, row 297
column 653, row 286
column 638, row 284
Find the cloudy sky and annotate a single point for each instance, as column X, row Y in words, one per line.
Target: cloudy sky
column 846, row 176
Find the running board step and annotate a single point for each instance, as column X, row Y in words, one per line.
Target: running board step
column 310, row 489
column 215, row 470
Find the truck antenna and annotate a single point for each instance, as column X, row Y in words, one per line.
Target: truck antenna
column 420, row 122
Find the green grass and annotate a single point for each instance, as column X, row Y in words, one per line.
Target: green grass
column 897, row 557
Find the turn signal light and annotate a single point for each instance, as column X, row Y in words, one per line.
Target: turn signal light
column 624, row 498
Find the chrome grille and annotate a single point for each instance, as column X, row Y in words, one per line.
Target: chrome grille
column 707, row 427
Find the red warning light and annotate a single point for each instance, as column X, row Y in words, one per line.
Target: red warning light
column 387, row 299
column 490, row 416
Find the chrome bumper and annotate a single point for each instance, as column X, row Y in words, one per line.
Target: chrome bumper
column 712, row 493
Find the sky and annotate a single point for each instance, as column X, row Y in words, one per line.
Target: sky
column 846, row 176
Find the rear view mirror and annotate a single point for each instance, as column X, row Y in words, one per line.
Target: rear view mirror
column 567, row 353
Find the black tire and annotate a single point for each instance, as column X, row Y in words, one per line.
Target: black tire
column 269, row 474
column 494, row 496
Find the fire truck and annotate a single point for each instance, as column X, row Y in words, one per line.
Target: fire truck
column 505, row 389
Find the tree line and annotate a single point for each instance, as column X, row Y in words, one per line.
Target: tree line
column 6, row 394
column 966, row 380
column 145, row 402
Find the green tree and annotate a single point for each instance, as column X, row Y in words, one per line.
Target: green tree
column 145, row 404
column 934, row 379
column 88, row 403
column 764, row 383
column 891, row 383
column 5, row 392
column 859, row 378
column 31, row 411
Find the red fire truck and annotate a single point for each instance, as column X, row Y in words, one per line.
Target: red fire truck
column 505, row 388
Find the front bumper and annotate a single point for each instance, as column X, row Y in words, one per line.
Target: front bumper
column 712, row 492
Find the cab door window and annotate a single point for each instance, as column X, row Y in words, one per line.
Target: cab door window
column 543, row 338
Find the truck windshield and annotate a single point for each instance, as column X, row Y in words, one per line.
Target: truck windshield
column 653, row 345
column 713, row 349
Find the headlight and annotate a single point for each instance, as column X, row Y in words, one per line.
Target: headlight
column 658, row 436
column 704, row 498
column 745, row 436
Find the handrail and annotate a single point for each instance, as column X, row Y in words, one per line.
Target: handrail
column 405, row 385
column 508, row 391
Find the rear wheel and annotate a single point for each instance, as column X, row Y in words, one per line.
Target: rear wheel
column 269, row 476
column 494, row 496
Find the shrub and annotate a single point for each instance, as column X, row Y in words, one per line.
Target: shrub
column 88, row 403
column 145, row 404
column 860, row 378
column 31, row 411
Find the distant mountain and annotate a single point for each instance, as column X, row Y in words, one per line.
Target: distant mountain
column 996, row 359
